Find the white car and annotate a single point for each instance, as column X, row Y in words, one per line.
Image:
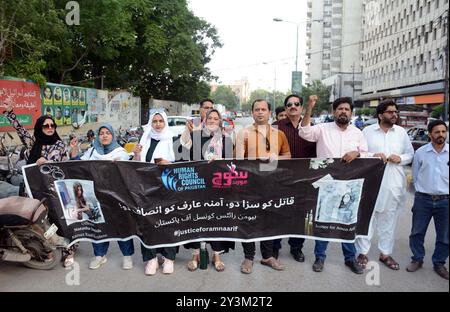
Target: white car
column 177, row 124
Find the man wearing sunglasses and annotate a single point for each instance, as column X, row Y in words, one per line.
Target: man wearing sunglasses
column 300, row 148
column 338, row 139
column 257, row 141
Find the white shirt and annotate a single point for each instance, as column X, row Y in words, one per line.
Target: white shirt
column 395, row 141
column 120, row 152
column 332, row 141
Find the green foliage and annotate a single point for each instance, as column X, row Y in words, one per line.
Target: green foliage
column 367, row 111
column 265, row 95
column 323, row 94
column 155, row 48
column 225, row 95
column 437, row 111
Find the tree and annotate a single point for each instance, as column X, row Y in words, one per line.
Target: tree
column 323, row 94
column 438, row 111
column 255, row 95
column 154, row 48
column 226, row 96
column 29, row 31
column 172, row 49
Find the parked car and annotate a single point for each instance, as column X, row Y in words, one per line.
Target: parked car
column 177, row 123
column 370, row 122
column 419, row 136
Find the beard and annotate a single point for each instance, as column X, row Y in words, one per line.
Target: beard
column 389, row 121
column 439, row 140
column 343, row 120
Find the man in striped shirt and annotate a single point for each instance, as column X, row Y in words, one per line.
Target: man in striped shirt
column 300, row 148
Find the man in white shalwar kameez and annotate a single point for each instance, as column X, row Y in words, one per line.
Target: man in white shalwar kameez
column 391, row 143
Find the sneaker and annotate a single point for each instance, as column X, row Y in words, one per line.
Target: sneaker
column 168, row 266
column 97, row 262
column 127, row 263
column 151, row 267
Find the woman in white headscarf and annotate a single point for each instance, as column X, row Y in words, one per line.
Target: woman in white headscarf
column 156, row 146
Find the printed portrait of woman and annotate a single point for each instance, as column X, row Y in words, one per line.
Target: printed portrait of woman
column 346, row 213
column 80, row 202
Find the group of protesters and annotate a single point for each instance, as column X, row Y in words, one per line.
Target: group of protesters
column 292, row 137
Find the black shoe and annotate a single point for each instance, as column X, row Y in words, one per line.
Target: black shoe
column 318, row 265
column 354, row 266
column 298, row 255
column 441, row 271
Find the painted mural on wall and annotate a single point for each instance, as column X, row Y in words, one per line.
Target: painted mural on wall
column 26, row 98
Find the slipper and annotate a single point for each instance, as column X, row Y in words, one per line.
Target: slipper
column 390, row 263
column 247, row 266
column 273, row 263
column 362, row 260
column 218, row 265
column 192, row 265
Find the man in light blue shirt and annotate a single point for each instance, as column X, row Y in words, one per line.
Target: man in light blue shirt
column 430, row 174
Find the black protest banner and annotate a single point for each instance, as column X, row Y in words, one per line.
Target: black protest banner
column 240, row 200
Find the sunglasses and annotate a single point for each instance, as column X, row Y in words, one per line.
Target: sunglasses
column 290, row 104
column 48, row 126
column 267, row 145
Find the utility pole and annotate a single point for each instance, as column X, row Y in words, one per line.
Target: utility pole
column 353, row 83
column 274, row 89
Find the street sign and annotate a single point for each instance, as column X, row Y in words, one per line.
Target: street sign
column 296, row 82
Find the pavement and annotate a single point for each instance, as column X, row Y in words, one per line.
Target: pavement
column 298, row 277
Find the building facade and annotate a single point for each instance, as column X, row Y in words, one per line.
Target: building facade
column 334, row 38
column 403, row 52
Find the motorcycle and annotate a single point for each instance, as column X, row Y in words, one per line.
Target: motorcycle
column 24, row 237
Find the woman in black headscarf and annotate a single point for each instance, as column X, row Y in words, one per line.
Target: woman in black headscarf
column 44, row 145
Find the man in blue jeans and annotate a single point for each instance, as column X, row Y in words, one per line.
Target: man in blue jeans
column 338, row 139
column 430, row 174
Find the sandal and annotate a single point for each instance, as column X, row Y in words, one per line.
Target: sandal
column 390, row 262
column 247, row 266
column 362, row 260
column 273, row 263
column 193, row 264
column 218, row 264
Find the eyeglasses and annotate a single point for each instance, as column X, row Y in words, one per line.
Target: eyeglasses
column 48, row 126
column 392, row 112
column 290, row 104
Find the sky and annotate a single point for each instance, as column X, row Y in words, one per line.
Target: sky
column 254, row 46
